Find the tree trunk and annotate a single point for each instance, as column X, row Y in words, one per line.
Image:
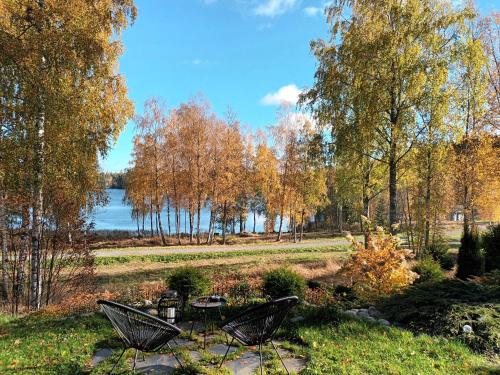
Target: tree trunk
column 178, row 223
column 156, row 223
column 209, row 235
column 185, row 221
column 37, row 211
column 393, row 189
column 198, row 226
column 224, row 222
column 340, row 218
column 293, row 220
column 427, row 224
column 151, row 218
column 138, row 227
column 254, row 220
column 18, row 287
column 160, row 227
column 191, row 223
column 4, row 291
column 281, row 225
column 168, row 218
column 302, row 225
column 411, row 238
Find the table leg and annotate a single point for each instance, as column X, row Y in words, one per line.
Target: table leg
column 206, row 331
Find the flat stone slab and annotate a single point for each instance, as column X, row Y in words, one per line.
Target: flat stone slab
column 180, row 343
column 295, row 364
column 220, row 349
column 284, row 352
column 195, row 356
column 156, row 364
column 101, row 355
column 244, row 365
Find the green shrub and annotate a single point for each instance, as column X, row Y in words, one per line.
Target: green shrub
column 241, row 292
column 447, row 262
column 188, row 281
column 283, row 282
column 437, row 250
column 491, row 246
column 428, row 270
column 470, row 258
column 443, row 308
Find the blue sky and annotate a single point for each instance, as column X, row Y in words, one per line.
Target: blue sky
column 247, row 54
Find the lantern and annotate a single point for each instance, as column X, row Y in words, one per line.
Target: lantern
column 169, row 306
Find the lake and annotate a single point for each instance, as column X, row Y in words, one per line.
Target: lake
column 116, row 216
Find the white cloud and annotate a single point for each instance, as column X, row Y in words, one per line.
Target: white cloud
column 272, row 8
column 312, row 11
column 286, row 95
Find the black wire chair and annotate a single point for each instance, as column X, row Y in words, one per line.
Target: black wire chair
column 257, row 325
column 139, row 330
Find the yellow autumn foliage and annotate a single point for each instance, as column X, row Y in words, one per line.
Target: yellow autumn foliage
column 380, row 269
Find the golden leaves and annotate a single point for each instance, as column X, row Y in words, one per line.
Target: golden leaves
column 379, row 269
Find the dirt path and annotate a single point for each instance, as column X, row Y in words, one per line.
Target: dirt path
column 139, row 251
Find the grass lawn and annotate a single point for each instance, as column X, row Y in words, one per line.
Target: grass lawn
column 49, row 345
column 355, row 347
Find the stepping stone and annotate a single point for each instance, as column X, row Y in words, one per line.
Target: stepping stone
column 220, row 349
column 156, row 364
column 180, row 343
column 101, row 355
column 295, row 364
column 195, row 356
column 284, row 352
column 245, row 365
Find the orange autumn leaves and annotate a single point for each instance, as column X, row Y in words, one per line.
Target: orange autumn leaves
column 380, row 268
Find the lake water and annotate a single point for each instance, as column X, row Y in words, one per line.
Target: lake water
column 116, row 216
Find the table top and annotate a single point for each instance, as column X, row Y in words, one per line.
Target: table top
column 205, row 303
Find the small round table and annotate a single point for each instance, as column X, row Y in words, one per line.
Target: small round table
column 206, row 305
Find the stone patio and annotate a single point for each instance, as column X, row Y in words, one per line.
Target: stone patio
column 244, row 364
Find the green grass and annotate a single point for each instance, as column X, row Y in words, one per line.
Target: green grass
column 182, row 257
column 44, row 345
column 354, row 347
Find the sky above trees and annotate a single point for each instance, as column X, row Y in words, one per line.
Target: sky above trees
column 251, row 55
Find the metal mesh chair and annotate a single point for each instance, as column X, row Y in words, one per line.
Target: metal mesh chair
column 139, row 330
column 257, row 325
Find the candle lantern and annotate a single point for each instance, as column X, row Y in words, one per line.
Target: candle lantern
column 169, row 306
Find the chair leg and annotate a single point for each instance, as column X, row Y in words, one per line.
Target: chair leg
column 281, row 359
column 260, row 358
column 227, row 351
column 175, row 356
column 135, row 360
column 191, row 330
column 121, row 355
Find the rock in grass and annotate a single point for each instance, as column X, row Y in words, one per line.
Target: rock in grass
column 351, row 313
